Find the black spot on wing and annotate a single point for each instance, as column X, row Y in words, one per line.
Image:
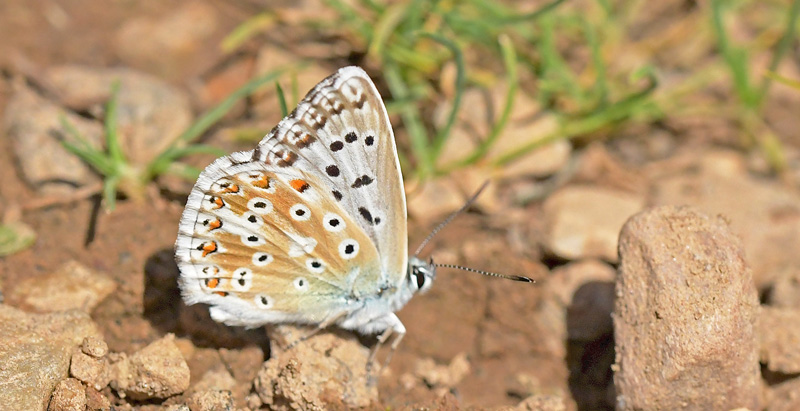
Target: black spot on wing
column 350, row 137
column 366, row 215
column 332, row 170
column 362, row 181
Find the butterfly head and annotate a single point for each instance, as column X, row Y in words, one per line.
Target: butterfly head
column 420, row 274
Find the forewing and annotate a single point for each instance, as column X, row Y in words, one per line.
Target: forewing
column 340, row 133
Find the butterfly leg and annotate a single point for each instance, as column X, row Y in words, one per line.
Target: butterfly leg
column 321, row 326
column 393, row 327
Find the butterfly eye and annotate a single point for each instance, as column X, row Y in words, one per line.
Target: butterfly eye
column 420, row 277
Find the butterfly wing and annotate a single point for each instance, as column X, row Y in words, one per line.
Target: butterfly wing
column 311, row 220
column 341, row 134
column 267, row 245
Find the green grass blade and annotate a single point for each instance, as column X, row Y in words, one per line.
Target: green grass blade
column 783, row 45
column 444, row 133
column 111, row 126
column 784, row 80
column 15, row 237
column 212, row 116
column 735, row 58
column 411, row 120
column 576, row 127
column 527, row 17
column 510, row 63
column 281, row 99
column 110, row 185
column 207, row 120
column 600, row 91
column 374, row 6
column 385, row 26
column 94, row 158
column 351, row 18
column 72, row 130
column 176, row 153
column 184, row 171
column 557, row 77
column 246, row 30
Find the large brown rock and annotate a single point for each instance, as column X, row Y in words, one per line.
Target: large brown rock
column 685, row 314
column 156, row 371
column 326, row 371
column 35, row 350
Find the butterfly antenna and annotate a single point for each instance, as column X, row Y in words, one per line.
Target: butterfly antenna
column 450, row 218
column 488, row 273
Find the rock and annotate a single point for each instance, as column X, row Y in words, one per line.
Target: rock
column 92, row 371
column 156, row 371
column 94, row 347
column 150, row 112
column 72, row 286
column 584, row 222
column 589, row 315
column 597, row 166
column 542, row 402
column 178, row 45
column 684, row 318
column 779, row 333
column 326, row 371
column 96, row 400
column 530, row 125
column 766, row 218
column 436, row 198
column 785, row 292
column 33, row 125
column 243, row 362
column 210, row 400
column 784, row 396
column 558, row 323
column 35, row 351
column 442, row 376
column 69, row 395
column 215, row 384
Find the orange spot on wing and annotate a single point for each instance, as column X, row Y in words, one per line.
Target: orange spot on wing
column 262, row 182
column 213, row 225
column 209, row 248
column 218, row 203
column 221, row 293
column 299, row 185
column 212, row 282
column 233, row 188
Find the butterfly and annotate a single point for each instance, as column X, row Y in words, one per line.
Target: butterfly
column 310, row 226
